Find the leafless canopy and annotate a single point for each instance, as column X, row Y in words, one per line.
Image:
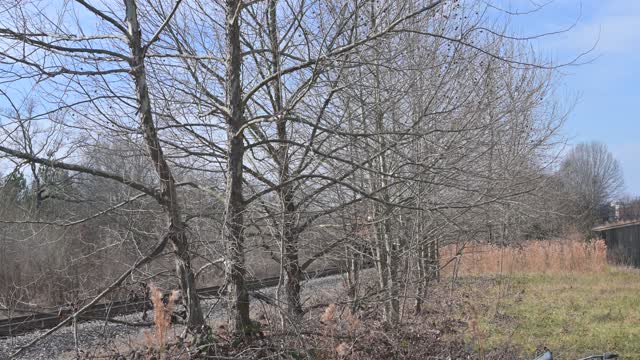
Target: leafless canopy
column 304, row 132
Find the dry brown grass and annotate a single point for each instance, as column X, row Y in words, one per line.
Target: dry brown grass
column 329, row 314
column 161, row 318
column 554, row 256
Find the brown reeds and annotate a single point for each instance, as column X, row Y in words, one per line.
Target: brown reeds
column 552, row 256
column 162, row 311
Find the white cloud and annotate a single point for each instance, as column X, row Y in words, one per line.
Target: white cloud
column 613, row 34
column 612, row 26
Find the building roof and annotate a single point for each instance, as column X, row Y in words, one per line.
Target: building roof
column 616, row 225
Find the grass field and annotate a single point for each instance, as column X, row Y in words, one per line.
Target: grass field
column 573, row 314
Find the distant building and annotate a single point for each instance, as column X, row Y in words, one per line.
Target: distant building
column 608, row 213
column 623, row 242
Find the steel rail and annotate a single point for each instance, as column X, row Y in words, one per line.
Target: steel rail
column 20, row 325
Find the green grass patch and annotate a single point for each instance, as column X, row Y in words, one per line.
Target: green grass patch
column 572, row 314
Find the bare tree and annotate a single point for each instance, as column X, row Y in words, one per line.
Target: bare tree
column 337, row 130
column 60, row 52
column 283, row 89
column 593, row 178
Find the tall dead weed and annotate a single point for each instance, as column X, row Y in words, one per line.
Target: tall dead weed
column 553, row 256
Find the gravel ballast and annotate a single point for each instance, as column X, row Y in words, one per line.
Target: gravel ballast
column 95, row 334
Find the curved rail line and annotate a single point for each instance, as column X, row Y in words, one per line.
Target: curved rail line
column 107, row 311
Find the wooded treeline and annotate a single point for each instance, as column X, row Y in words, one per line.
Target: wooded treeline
column 288, row 131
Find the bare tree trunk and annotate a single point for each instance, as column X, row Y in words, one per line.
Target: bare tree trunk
column 380, row 254
column 393, row 312
column 421, row 282
column 385, row 245
column 289, row 234
column 428, row 270
column 434, row 260
column 387, row 268
column 293, row 276
column 353, row 277
column 385, row 240
column 234, row 213
column 168, row 193
column 186, row 275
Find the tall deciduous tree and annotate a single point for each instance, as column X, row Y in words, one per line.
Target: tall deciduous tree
column 593, row 178
column 62, row 51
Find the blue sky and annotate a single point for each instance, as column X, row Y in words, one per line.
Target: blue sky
column 606, row 90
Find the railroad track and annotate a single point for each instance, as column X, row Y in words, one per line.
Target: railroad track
column 107, row 311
